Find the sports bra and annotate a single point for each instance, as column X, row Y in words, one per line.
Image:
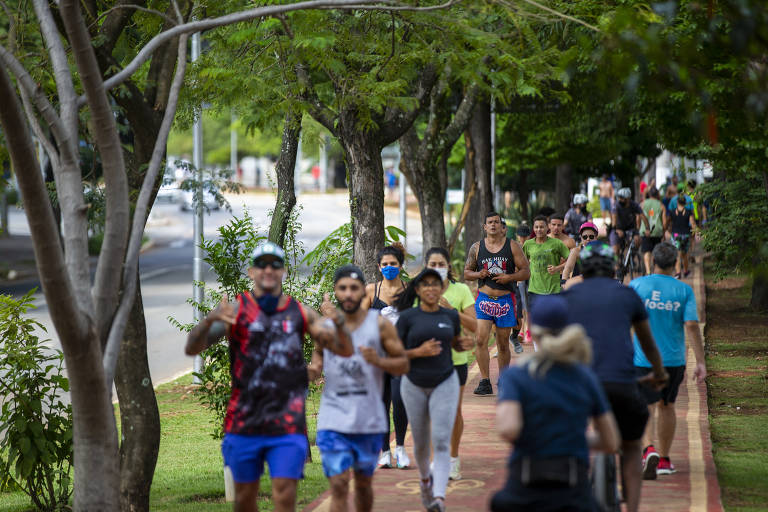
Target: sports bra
column 377, row 302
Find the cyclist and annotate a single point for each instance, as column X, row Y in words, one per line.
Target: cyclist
column 544, row 405
column 657, row 217
column 624, row 220
column 671, row 307
column 577, row 215
column 608, row 310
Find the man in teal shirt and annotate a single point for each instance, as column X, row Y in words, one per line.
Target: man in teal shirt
column 671, row 306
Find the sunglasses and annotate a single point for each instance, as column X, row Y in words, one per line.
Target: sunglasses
column 589, row 237
column 275, row 264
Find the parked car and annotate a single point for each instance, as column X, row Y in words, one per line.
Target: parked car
column 209, row 200
column 169, row 192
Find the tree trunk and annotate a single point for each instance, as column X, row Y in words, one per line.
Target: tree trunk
column 4, row 232
column 286, row 164
column 366, row 197
column 524, row 193
column 759, row 300
column 478, row 164
column 563, row 187
column 139, row 416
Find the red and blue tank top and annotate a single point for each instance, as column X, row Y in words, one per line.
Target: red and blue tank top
column 269, row 375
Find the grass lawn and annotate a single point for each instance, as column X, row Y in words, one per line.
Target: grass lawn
column 737, row 362
column 189, row 475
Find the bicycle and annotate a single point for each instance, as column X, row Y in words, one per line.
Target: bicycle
column 631, row 262
column 604, row 482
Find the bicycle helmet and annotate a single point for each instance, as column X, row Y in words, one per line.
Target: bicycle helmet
column 624, row 193
column 580, row 199
column 588, row 225
column 597, row 259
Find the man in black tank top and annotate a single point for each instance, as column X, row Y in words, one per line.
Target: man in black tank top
column 496, row 262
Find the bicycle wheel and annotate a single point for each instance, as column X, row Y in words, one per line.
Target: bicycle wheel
column 604, row 483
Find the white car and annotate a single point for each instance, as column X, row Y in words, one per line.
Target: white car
column 209, row 200
column 168, row 192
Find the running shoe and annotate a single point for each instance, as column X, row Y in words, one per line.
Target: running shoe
column 665, row 467
column 401, row 458
column 484, row 387
column 437, row 505
column 426, row 493
column 650, row 463
column 517, row 345
column 455, row 473
column 385, row 461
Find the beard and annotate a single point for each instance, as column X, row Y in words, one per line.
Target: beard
column 350, row 306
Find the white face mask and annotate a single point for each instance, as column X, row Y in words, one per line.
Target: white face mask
column 443, row 271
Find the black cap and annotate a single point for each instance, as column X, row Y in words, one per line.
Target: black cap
column 349, row 270
column 524, row 230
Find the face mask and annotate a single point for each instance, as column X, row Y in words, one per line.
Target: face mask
column 443, row 271
column 390, row 272
column 268, row 303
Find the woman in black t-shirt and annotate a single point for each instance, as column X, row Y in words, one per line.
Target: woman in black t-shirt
column 430, row 390
column 681, row 224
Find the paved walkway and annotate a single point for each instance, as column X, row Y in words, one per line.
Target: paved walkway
column 693, row 488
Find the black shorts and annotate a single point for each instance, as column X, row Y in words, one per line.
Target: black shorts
column 669, row 393
column 628, row 407
column 462, row 370
column 647, row 243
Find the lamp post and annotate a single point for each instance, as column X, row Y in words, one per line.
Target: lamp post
column 197, row 223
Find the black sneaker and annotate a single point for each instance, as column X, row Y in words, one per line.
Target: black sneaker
column 484, row 387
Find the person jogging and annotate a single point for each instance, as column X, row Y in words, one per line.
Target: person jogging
column 547, row 258
column 681, row 225
column 430, row 390
column 557, row 230
column 657, row 218
column 545, row 403
column 380, row 296
column 671, row 307
column 495, row 262
column 265, row 419
column 608, row 310
column 351, row 418
column 456, row 296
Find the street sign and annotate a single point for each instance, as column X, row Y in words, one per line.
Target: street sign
column 454, row 196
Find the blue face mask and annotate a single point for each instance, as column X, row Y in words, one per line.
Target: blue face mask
column 268, row 303
column 390, row 272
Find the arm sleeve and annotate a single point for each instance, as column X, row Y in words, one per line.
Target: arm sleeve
column 509, row 390
column 691, row 313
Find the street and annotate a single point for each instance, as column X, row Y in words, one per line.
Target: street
column 166, row 267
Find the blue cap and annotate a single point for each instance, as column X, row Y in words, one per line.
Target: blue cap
column 550, row 312
column 268, row 249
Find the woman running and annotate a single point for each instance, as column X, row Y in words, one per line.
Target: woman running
column 430, row 390
column 544, row 405
column 456, row 296
column 381, row 295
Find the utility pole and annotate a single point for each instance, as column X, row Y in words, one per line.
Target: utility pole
column 197, row 260
column 233, row 144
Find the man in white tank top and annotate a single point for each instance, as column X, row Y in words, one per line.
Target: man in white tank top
column 352, row 419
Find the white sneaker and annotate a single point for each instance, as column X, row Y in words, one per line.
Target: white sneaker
column 455, row 473
column 385, row 461
column 426, row 492
column 401, row 458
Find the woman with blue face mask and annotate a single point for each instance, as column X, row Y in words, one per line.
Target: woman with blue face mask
column 381, row 295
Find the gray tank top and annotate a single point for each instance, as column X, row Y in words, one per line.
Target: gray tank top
column 351, row 401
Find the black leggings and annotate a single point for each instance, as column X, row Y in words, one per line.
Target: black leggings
column 400, row 418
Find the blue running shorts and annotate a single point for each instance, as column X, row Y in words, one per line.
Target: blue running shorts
column 500, row 311
column 245, row 456
column 343, row 451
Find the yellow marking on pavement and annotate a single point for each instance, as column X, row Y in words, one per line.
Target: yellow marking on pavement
column 698, row 492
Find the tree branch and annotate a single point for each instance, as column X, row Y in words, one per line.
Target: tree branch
column 250, row 14
column 49, row 258
column 112, row 27
column 396, row 122
column 105, row 287
column 117, row 329
column 317, row 109
column 141, row 8
column 38, row 129
column 552, row 11
column 458, row 124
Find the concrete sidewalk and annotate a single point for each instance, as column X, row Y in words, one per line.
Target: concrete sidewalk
column 693, row 488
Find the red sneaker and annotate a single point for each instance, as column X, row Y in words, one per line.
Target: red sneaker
column 665, row 467
column 650, row 463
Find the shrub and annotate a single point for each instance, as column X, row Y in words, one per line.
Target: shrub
column 35, row 423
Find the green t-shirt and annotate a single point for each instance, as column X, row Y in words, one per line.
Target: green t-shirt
column 460, row 297
column 540, row 257
column 652, row 210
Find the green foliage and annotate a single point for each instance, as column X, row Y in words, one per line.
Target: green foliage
column 35, row 423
